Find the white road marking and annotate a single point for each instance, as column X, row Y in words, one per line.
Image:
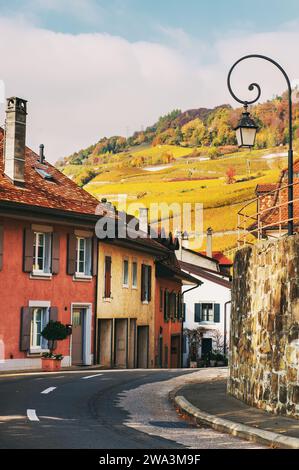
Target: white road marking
column 31, row 414
column 91, row 376
column 48, row 390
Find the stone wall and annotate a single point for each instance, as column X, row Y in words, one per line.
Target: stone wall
column 264, row 359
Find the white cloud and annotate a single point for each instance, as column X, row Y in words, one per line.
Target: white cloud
column 82, row 87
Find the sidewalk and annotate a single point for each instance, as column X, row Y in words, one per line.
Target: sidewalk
column 208, row 402
column 40, row 371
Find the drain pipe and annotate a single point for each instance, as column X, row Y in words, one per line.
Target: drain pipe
column 224, row 332
column 182, row 331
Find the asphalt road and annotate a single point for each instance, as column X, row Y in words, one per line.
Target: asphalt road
column 98, row 410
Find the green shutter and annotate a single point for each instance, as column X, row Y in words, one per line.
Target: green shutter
column 217, row 313
column 197, row 313
column 184, row 311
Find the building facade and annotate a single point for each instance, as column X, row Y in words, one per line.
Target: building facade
column 48, row 253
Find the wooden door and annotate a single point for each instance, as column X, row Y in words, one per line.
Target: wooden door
column 175, row 351
column 77, row 336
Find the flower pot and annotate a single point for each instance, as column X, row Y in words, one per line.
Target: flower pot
column 50, row 365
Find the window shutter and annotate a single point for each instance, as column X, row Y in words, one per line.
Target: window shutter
column 55, row 252
column 88, row 257
column 142, row 282
column 53, row 316
column 197, row 313
column 217, row 313
column 28, row 251
column 71, row 253
column 149, row 283
column 95, row 256
column 107, row 277
column 1, row 247
column 184, row 312
column 26, row 318
column 166, row 301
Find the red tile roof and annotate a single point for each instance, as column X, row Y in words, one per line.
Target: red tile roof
column 61, row 193
column 202, row 272
column 220, row 257
column 265, row 188
column 273, row 205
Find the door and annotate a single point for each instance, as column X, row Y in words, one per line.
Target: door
column 142, row 346
column 77, row 336
column 121, row 343
column 175, row 351
column 160, row 358
column 206, row 347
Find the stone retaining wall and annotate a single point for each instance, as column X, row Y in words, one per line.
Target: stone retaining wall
column 264, row 359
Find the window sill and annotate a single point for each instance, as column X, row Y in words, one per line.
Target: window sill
column 37, row 351
column 82, row 277
column 40, row 275
column 145, row 302
column 125, row 286
column 134, row 287
column 107, row 299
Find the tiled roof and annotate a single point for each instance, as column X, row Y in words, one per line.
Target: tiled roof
column 220, row 257
column 276, row 201
column 265, row 188
column 201, row 272
column 61, row 193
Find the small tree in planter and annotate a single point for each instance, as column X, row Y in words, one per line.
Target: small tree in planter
column 54, row 331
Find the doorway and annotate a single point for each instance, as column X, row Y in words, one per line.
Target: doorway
column 142, row 346
column 77, row 335
column 206, row 346
column 175, row 351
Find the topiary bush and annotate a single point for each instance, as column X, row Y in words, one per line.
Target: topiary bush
column 54, row 331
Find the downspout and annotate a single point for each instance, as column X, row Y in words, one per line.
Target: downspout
column 182, row 331
column 95, row 336
column 224, row 332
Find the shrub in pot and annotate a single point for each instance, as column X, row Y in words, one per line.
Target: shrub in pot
column 53, row 331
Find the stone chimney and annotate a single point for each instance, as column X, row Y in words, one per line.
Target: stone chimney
column 143, row 219
column 15, row 136
column 209, row 242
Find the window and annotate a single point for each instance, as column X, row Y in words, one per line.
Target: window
column 125, row 273
column 83, row 256
column 41, row 252
column 207, row 312
column 146, row 283
column 39, row 321
column 134, row 274
column 107, row 277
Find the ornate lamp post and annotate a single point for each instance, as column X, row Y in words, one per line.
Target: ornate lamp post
column 246, row 129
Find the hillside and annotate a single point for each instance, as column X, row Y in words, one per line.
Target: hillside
column 188, row 157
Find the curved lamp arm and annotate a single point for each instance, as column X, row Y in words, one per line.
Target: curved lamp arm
column 256, row 86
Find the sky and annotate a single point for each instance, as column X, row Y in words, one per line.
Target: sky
column 94, row 68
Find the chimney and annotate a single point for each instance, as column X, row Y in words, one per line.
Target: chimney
column 15, row 134
column 41, row 153
column 209, row 242
column 143, row 219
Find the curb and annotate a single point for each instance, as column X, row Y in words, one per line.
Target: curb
column 244, row 431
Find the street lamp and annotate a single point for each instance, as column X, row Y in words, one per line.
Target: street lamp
column 246, row 129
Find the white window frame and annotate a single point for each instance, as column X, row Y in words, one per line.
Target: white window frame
column 208, row 303
column 78, row 261
column 34, row 347
column 134, row 285
column 36, row 246
column 125, row 263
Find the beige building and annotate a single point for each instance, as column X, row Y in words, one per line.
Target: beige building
column 126, row 302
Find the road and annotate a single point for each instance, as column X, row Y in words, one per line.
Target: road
column 116, row 409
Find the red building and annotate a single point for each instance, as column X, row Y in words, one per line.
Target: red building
column 169, row 310
column 48, row 253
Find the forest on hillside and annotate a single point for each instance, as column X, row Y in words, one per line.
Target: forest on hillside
column 202, row 127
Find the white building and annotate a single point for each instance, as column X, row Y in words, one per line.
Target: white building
column 208, row 307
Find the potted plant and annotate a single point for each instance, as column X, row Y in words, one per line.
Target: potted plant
column 54, row 331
